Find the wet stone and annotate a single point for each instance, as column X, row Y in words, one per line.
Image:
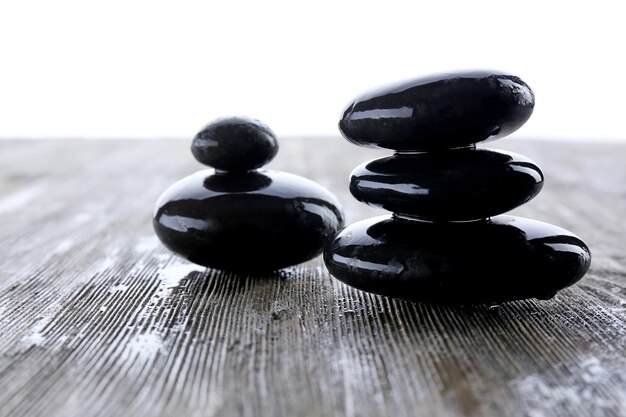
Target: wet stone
column 504, row 259
column 235, row 144
column 455, row 185
column 246, row 222
column 439, row 112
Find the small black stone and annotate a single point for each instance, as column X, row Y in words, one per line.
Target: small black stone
column 504, row 259
column 453, row 185
column 256, row 221
column 235, row 144
column 439, row 112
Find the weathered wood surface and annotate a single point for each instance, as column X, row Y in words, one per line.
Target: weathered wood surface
column 98, row 319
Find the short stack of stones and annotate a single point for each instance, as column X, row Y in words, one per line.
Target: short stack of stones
column 447, row 241
column 239, row 216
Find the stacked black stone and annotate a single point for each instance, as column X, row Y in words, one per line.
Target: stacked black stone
column 238, row 217
column 446, row 241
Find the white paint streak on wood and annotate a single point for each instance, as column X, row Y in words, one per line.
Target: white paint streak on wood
column 18, row 199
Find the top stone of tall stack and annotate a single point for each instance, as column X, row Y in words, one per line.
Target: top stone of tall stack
column 439, row 112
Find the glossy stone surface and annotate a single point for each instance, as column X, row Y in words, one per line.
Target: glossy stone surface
column 460, row 184
column 507, row 258
column 439, row 112
column 235, row 144
column 249, row 222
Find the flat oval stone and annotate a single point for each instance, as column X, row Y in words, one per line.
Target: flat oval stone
column 439, row 112
column 235, row 144
column 454, row 185
column 507, row 258
column 249, row 222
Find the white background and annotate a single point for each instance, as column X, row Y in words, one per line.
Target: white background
column 164, row 68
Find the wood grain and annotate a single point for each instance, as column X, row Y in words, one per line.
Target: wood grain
column 98, row 319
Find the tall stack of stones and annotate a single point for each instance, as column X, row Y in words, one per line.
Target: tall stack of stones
column 447, row 240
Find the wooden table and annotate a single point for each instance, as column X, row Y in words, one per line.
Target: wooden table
column 98, row 319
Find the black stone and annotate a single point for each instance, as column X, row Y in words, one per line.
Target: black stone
column 248, row 222
column 506, row 258
column 439, row 112
column 235, row 144
column 460, row 184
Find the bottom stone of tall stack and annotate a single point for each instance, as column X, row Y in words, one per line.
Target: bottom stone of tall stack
column 502, row 259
